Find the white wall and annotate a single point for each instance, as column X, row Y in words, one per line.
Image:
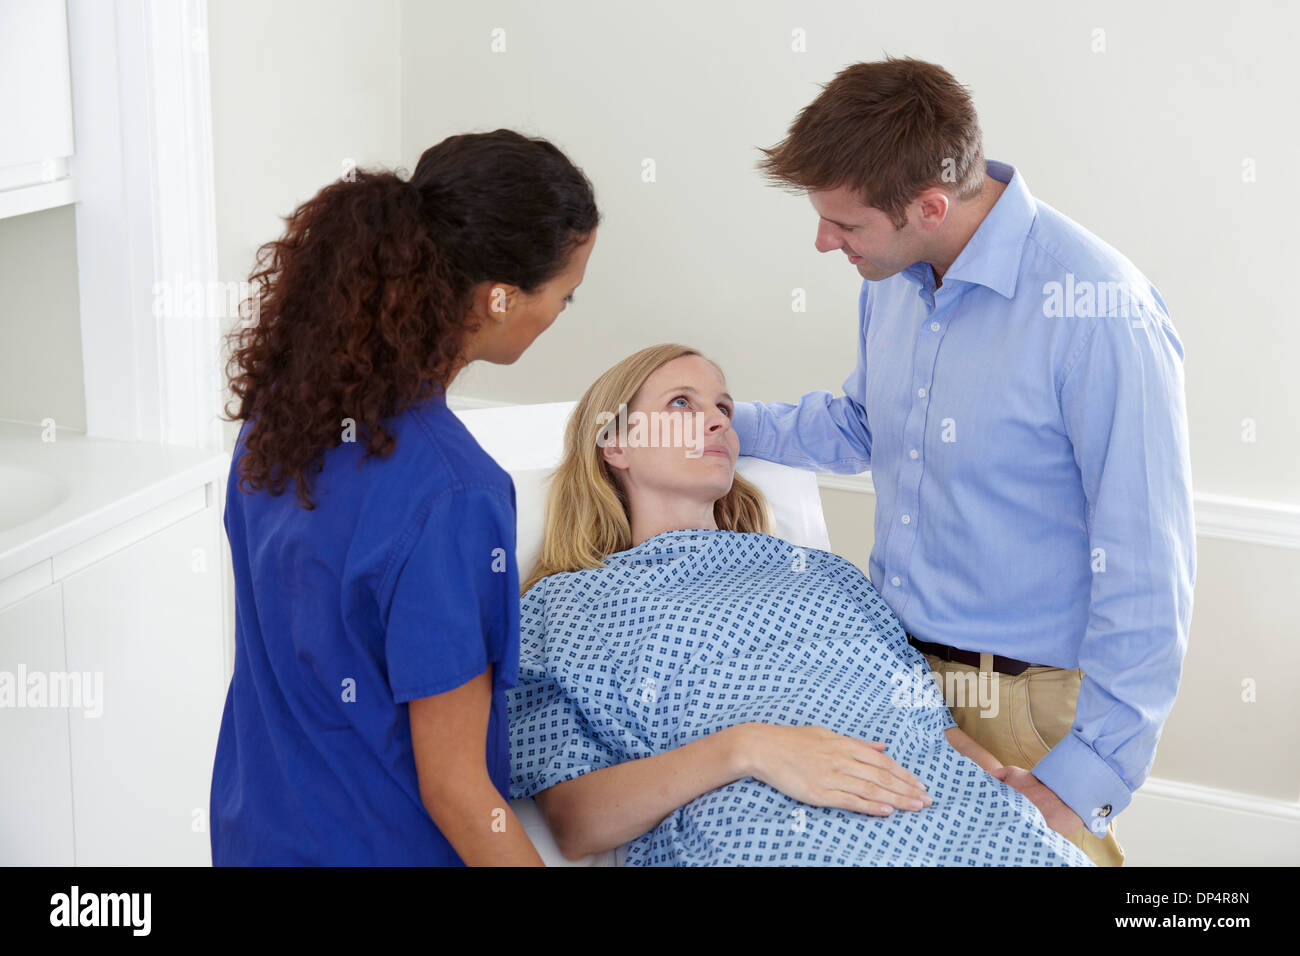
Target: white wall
column 40, row 325
column 300, row 89
column 1143, row 144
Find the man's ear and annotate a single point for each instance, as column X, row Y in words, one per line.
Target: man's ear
column 934, row 205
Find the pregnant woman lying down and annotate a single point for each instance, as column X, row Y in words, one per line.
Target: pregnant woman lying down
column 711, row 694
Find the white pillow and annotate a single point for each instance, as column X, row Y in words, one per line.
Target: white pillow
column 528, row 442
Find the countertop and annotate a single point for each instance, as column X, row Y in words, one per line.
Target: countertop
column 93, row 485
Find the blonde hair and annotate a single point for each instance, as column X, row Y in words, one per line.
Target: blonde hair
column 587, row 516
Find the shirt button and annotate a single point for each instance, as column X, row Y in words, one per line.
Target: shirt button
column 921, row 392
column 895, row 580
column 907, row 519
column 934, row 326
column 913, row 453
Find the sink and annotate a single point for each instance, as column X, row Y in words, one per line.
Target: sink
column 26, row 494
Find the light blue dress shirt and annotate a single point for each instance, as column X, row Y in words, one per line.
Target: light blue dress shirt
column 1026, row 431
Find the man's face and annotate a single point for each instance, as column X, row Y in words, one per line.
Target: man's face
column 864, row 234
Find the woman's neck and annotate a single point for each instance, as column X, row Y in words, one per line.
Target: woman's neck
column 685, row 514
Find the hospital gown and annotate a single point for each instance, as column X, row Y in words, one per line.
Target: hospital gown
column 694, row 631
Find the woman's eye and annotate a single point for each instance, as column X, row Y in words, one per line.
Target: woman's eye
column 684, row 398
column 568, row 299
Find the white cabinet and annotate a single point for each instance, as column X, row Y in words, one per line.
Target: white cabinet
column 148, row 619
column 35, row 106
column 35, row 768
column 117, row 773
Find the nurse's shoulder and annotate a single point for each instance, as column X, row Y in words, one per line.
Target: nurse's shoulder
column 439, row 488
column 444, row 454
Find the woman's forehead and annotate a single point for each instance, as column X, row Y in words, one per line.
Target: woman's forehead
column 700, row 375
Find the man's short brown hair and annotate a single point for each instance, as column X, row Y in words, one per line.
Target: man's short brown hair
column 888, row 130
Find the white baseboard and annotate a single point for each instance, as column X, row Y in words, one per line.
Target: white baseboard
column 1181, row 824
column 1252, row 520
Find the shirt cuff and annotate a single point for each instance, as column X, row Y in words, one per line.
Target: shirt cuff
column 1086, row 783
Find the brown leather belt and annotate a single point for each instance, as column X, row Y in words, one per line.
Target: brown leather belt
column 1003, row 665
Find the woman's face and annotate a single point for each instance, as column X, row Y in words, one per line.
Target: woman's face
column 528, row 316
column 686, row 446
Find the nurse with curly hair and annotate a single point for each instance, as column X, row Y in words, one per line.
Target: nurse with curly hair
column 373, row 540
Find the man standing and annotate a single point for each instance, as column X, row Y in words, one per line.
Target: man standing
column 1018, row 398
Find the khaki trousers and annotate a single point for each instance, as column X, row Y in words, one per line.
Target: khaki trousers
column 1035, row 710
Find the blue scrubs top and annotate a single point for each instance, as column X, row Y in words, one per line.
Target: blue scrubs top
column 401, row 584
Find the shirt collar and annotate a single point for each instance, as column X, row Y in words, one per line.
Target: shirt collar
column 992, row 255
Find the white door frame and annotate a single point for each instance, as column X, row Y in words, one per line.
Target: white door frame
column 146, row 220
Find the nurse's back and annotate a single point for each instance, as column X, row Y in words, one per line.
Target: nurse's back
column 346, row 612
column 373, row 541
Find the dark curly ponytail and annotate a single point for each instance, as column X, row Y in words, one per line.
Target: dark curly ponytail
column 361, row 308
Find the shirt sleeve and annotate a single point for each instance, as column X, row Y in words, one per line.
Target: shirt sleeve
column 1124, row 411
column 451, row 612
column 820, row 433
column 551, row 738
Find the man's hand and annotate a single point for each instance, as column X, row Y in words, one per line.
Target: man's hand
column 1058, row 816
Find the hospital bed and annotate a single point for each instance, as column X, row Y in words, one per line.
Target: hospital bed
column 527, row 441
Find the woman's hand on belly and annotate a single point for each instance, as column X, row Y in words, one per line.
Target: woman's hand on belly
column 819, row 767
